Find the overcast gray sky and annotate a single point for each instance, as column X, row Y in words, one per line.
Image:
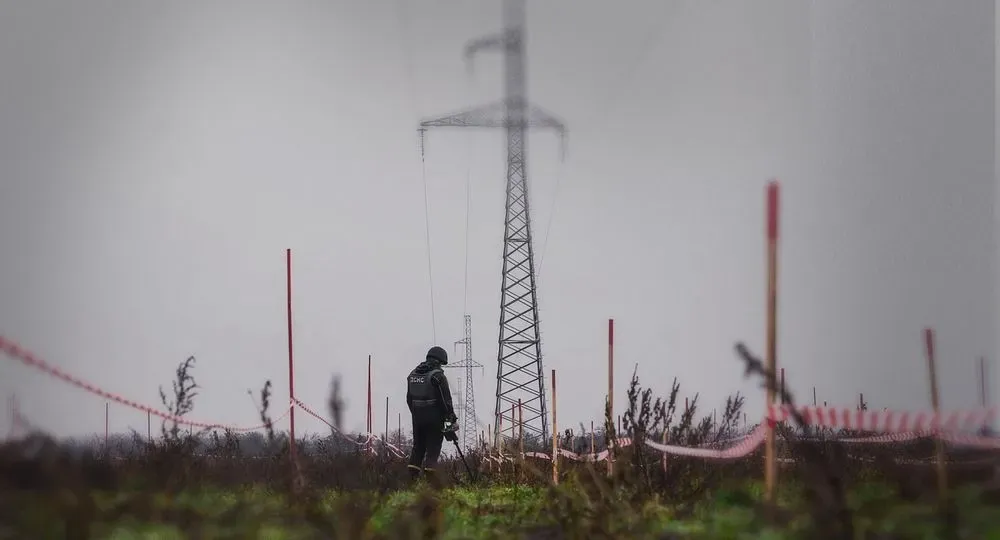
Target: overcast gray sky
column 157, row 159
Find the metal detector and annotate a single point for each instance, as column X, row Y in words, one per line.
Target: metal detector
column 451, row 434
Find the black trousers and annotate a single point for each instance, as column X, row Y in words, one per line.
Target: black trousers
column 428, row 436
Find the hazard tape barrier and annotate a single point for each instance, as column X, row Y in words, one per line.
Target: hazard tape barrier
column 952, row 427
column 12, row 350
column 370, row 439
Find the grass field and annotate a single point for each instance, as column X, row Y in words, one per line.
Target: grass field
column 227, row 486
column 493, row 512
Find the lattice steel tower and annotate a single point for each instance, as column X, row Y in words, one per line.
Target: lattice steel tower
column 470, row 424
column 520, row 374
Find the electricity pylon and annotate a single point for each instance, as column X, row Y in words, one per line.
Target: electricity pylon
column 470, row 424
column 520, row 374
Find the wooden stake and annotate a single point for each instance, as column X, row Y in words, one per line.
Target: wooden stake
column 611, row 391
column 291, row 358
column 520, row 427
column 520, row 440
column 513, row 424
column 593, row 446
column 983, row 398
column 782, row 397
column 664, row 457
column 368, row 417
column 555, row 434
column 770, row 464
column 942, row 474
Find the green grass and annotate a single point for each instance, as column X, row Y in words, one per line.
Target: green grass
column 165, row 489
column 500, row 512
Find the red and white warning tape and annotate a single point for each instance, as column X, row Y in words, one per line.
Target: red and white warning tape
column 368, row 444
column 895, row 426
column 887, row 421
column 11, row 349
column 891, row 426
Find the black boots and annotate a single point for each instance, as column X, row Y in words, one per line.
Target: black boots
column 432, row 478
column 431, row 475
column 414, row 472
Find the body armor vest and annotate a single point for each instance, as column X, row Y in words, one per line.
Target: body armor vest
column 421, row 389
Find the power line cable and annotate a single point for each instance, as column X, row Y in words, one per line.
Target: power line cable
column 407, row 49
column 427, row 228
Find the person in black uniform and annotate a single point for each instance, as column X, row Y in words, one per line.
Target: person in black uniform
column 429, row 400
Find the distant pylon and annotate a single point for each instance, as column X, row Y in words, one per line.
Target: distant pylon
column 469, row 426
column 520, row 376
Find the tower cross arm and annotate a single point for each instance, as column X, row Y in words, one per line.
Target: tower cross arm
column 495, row 115
column 492, row 41
column 465, row 363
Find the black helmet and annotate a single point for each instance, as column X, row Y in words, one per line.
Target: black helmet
column 437, row 353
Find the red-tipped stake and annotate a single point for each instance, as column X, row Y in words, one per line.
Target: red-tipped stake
column 555, row 435
column 368, row 418
column 291, row 361
column 942, row 475
column 611, row 388
column 770, row 465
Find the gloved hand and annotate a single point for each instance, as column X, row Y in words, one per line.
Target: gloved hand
column 451, row 436
column 451, row 418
